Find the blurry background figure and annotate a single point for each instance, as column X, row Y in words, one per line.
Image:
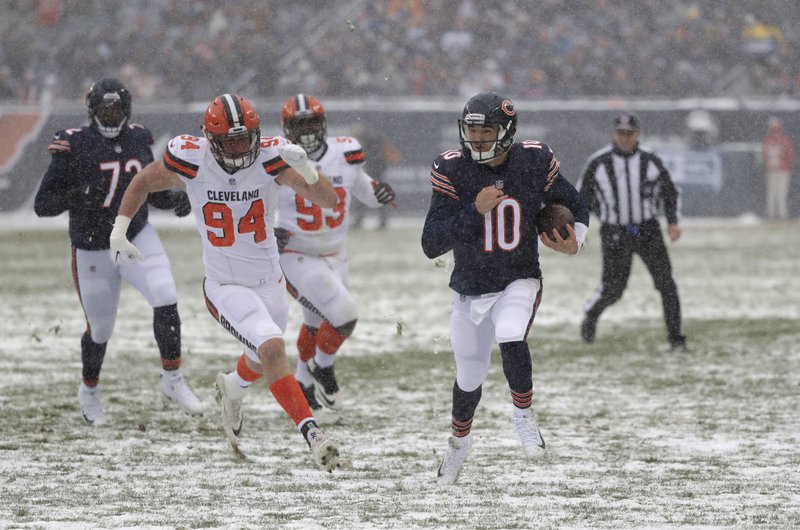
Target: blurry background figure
column 380, row 153
column 778, row 157
column 703, row 129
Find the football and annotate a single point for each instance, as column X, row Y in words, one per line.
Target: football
column 555, row 216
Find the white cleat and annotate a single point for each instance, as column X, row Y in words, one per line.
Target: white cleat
column 91, row 404
column 325, row 452
column 175, row 390
column 231, row 410
column 454, row 459
column 529, row 434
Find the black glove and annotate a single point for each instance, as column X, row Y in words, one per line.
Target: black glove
column 182, row 205
column 75, row 198
column 282, row 237
column 383, row 192
column 79, row 198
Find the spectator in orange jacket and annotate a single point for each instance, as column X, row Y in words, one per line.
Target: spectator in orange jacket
column 778, row 157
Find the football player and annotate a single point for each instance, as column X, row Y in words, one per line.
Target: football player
column 314, row 253
column 485, row 200
column 90, row 169
column 232, row 176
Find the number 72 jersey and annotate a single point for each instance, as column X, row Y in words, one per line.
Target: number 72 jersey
column 233, row 212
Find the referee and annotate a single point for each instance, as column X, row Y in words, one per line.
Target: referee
column 624, row 185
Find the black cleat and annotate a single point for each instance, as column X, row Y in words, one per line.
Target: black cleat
column 326, row 387
column 678, row 345
column 311, row 398
column 588, row 328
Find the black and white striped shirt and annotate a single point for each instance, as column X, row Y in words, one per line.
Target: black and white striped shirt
column 628, row 189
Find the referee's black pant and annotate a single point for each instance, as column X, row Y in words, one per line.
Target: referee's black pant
column 619, row 243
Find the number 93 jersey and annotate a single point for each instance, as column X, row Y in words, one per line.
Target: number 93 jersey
column 323, row 231
column 233, row 212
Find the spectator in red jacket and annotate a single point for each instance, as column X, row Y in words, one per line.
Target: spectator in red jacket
column 779, row 157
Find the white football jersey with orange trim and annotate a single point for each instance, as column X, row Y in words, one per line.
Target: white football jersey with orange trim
column 323, row 231
column 234, row 213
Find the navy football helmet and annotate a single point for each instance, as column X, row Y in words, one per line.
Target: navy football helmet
column 490, row 109
column 109, row 104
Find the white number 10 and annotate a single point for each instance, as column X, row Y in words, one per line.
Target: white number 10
column 494, row 224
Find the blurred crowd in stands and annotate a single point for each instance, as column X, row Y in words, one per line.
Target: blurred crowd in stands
column 192, row 50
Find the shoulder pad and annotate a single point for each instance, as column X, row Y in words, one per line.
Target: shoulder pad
column 183, row 154
column 141, row 131
column 441, row 170
column 64, row 140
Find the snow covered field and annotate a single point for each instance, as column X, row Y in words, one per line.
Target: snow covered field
column 637, row 436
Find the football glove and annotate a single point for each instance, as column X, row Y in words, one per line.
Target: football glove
column 82, row 198
column 383, row 192
column 282, row 237
column 122, row 250
column 296, row 157
column 182, row 205
column 75, row 198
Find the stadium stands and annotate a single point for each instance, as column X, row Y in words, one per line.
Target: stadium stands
column 179, row 50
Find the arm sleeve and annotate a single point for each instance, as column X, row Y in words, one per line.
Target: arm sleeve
column 586, row 186
column 364, row 189
column 51, row 198
column 669, row 193
column 558, row 189
column 448, row 222
column 563, row 192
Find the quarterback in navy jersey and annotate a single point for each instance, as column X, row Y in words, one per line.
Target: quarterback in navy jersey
column 486, row 197
column 90, row 170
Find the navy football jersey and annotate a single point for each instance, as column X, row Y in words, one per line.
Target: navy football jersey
column 102, row 168
column 495, row 249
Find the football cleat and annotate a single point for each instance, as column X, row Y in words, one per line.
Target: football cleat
column 231, row 410
column 678, row 344
column 91, row 404
column 175, row 390
column 529, row 433
column 588, row 329
column 325, row 452
column 326, row 388
column 309, row 392
column 454, row 459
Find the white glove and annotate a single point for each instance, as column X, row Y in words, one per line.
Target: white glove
column 296, row 156
column 122, row 250
column 580, row 234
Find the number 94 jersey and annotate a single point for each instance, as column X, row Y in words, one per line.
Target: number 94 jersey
column 233, row 212
column 320, row 231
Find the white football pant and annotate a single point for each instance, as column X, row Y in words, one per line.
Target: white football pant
column 99, row 281
column 478, row 322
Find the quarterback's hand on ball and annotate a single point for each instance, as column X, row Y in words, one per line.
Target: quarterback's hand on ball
column 123, row 251
column 567, row 246
column 282, row 237
column 296, row 157
column 383, row 192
